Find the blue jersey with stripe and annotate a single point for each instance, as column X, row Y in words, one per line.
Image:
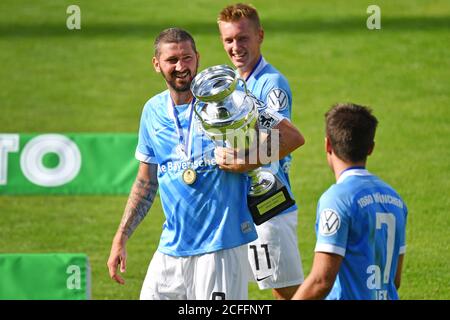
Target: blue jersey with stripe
column 209, row 215
column 362, row 219
column 268, row 85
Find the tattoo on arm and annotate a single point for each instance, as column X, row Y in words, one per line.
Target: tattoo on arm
column 139, row 202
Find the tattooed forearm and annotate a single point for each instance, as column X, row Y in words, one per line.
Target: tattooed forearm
column 139, row 202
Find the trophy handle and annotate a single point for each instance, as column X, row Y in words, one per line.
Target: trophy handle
column 197, row 101
column 244, row 85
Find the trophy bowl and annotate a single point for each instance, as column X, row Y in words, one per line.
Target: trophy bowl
column 230, row 118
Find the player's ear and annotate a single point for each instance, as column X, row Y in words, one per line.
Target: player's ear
column 156, row 64
column 261, row 35
column 371, row 149
column 328, row 148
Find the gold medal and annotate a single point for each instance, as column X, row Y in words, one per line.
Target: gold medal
column 189, row 176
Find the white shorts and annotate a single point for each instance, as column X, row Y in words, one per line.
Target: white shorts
column 274, row 257
column 219, row 275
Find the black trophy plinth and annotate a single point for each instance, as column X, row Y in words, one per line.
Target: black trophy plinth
column 268, row 205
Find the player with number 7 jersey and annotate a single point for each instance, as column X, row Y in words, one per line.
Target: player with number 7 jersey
column 361, row 220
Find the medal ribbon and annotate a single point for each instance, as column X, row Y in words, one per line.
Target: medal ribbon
column 185, row 143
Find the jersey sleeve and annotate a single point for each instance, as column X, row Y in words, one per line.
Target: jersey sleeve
column 277, row 96
column 269, row 119
column 144, row 150
column 332, row 225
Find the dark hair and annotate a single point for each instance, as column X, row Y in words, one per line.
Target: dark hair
column 350, row 129
column 237, row 11
column 173, row 35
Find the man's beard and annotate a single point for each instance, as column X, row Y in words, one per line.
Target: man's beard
column 172, row 81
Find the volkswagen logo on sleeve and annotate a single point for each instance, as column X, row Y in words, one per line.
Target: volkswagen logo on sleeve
column 277, row 99
column 329, row 222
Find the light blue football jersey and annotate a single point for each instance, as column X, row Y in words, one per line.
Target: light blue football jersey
column 268, row 85
column 362, row 219
column 209, row 215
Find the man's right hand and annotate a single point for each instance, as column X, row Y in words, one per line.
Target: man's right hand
column 117, row 257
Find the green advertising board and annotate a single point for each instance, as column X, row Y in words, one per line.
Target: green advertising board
column 47, row 276
column 72, row 163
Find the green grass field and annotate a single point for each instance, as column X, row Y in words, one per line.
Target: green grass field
column 97, row 80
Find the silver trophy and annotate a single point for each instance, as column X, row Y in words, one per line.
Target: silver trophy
column 229, row 117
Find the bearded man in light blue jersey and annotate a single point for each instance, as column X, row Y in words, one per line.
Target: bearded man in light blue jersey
column 274, row 256
column 361, row 220
column 202, row 249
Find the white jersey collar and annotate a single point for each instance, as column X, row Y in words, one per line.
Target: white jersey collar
column 353, row 172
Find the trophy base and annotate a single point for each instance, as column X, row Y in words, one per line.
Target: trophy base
column 268, row 205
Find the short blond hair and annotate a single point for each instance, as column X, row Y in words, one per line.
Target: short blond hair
column 237, row 11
